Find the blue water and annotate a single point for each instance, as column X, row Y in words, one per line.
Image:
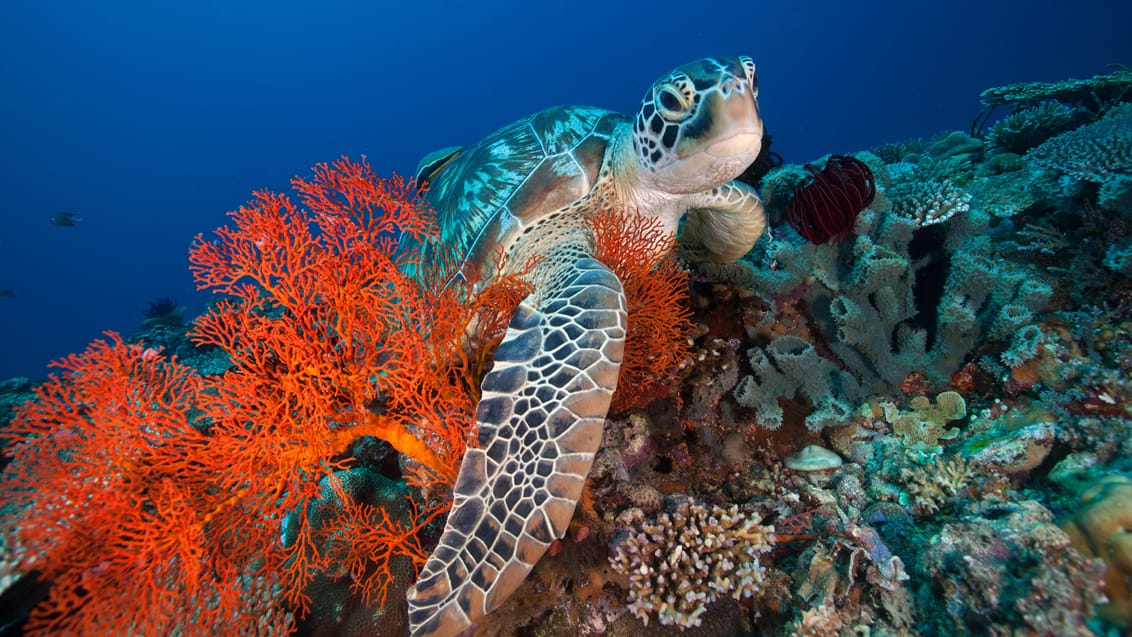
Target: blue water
column 152, row 122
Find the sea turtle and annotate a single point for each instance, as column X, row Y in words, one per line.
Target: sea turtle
column 527, row 189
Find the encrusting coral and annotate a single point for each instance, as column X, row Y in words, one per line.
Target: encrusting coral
column 1102, row 527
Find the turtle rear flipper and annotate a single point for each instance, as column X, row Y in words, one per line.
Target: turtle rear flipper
column 540, row 422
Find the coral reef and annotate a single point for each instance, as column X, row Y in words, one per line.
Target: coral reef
column 925, row 427
column 1007, row 566
column 1100, row 528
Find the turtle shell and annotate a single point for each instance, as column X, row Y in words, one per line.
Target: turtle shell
column 518, row 175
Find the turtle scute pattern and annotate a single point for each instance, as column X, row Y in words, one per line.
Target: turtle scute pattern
column 540, row 424
column 527, row 189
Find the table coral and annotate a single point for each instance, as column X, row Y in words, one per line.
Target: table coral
column 1099, row 88
column 1096, row 156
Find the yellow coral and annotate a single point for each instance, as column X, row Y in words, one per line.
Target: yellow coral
column 926, row 422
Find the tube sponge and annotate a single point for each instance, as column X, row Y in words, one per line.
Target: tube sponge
column 790, row 367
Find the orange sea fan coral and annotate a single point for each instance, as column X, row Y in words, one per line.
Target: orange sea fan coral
column 331, row 340
column 106, row 503
column 153, row 498
column 318, row 303
column 639, row 251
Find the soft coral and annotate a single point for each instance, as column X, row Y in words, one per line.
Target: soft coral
column 639, row 251
column 110, row 504
column 153, row 498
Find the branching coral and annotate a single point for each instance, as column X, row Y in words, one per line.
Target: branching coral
column 1027, row 127
column 688, row 559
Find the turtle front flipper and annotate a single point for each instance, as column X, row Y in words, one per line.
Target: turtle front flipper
column 540, row 422
column 723, row 223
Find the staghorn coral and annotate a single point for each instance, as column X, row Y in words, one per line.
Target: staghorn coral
column 688, row 558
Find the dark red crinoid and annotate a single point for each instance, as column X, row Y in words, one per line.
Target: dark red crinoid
column 827, row 202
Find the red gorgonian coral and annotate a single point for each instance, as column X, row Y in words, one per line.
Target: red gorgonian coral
column 827, row 202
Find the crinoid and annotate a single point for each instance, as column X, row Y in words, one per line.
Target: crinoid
column 827, row 202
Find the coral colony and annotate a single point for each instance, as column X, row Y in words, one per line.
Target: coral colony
column 905, row 411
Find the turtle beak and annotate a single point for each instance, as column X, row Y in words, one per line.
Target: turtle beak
column 736, row 115
column 738, row 145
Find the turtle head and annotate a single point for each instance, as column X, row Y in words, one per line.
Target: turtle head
column 699, row 126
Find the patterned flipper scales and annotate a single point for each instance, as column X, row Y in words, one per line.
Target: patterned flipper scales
column 540, row 422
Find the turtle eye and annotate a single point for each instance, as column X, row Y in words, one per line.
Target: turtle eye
column 670, row 103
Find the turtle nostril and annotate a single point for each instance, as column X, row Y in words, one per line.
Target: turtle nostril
column 729, row 85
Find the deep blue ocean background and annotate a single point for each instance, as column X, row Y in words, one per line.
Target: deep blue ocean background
column 152, row 119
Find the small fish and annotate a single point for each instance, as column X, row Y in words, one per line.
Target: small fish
column 64, row 219
column 7, row 293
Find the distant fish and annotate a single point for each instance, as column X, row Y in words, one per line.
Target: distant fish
column 64, row 219
column 7, row 293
